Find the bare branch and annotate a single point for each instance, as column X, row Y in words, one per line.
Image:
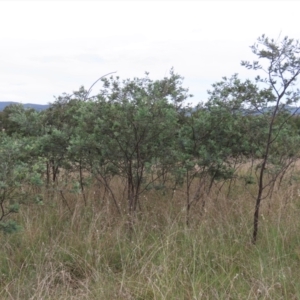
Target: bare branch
column 90, row 89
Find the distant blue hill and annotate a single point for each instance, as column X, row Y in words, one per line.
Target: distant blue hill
column 37, row 107
column 293, row 110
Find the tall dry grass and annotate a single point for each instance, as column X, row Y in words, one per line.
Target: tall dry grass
column 67, row 250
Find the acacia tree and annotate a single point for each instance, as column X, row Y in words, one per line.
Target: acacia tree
column 49, row 130
column 215, row 138
column 263, row 105
column 17, row 174
column 132, row 129
column 12, row 125
column 192, row 135
column 205, row 151
column 281, row 64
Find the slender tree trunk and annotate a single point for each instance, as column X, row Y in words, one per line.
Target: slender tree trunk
column 81, row 182
column 105, row 182
column 261, row 176
column 188, row 203
column 130, row 194
column 48, row 174
column 258, row 201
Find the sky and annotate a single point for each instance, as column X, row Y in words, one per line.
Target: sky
column 51, row 47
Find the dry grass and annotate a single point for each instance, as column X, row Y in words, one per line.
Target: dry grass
column 88, row 252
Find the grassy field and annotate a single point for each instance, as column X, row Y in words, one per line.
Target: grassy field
column 87, row 252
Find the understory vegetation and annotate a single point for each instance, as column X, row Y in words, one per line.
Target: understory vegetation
column 135, row 194
column 88, row 252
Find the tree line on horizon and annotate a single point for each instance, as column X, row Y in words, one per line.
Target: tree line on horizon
column 143, row 132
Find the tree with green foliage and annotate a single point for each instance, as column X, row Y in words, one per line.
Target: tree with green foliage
column 131, row 132
column 17, row 173
column 282, row 67
column 253, row 121
column 213, row 138
column 10, row 125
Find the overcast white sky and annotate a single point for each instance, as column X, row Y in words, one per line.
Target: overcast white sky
column 51, row 47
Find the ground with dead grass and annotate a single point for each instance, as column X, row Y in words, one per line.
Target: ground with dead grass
column 88, row 252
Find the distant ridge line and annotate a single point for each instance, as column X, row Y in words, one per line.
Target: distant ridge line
column 37, row 107
column 293, row 110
